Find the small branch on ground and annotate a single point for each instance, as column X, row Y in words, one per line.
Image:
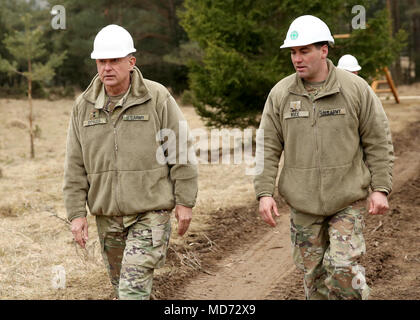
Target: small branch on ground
column 377, row 227
column 62, row 219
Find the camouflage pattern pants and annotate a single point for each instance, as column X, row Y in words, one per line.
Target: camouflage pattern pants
column 132, row 247
column 327, row 249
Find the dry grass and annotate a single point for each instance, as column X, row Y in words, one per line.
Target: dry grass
column 33, row 239
column 9, row 211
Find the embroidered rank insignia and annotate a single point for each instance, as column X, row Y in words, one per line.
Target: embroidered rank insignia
column 136, row 117
column 94, row 114
column 294, row 106
column 332, row 112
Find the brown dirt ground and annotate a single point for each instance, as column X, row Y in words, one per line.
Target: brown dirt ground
column 228, row 252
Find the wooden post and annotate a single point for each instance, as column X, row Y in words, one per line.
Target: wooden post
column 388, row 76
column 342, row 36
column 390, row 83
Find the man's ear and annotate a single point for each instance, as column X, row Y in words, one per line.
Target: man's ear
column 132, row 60
column 324, row 51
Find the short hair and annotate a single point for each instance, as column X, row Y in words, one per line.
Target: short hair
column 318, row 45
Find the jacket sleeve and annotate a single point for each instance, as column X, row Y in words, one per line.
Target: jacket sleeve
column 183, row 167
column 75, row 187
column 375, row 136
column 264, row 183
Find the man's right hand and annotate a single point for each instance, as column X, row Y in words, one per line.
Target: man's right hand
column 79, row 228
column 267, row 205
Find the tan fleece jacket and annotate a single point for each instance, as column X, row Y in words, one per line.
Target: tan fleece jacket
column 111, row 160
column 335, row 148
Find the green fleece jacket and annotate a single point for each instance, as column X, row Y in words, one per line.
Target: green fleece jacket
column 115, row 162
column 335, row 147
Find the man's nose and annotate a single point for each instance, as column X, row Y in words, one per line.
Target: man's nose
column 108, row 66
column 297, row 57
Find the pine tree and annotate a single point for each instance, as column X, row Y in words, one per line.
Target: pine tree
column 27, row 48
column 242, row 60
column 153, row 24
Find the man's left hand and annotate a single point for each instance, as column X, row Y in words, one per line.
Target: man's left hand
column 378, row 203
column 184, row 216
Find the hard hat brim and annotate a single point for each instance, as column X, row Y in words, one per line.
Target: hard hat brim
column 300, row 44
column 351, row 69
column 110, row 55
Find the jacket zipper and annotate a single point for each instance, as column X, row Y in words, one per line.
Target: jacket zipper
column 315, row 125
column 115, row 156
column 116, row 171
column 114, row 125
column 115, row 142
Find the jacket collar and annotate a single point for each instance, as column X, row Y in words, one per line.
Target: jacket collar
column 331, row 84
column 138, row 92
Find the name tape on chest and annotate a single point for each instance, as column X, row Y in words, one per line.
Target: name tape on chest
column 296, row 114
column 332, row 112
column 136, row 117
column 94, row 122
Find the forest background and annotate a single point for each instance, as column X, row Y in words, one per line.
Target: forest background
column 221, row 56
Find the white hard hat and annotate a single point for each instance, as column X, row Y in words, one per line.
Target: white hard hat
column 349, row 63
column 112, row 42
column 306, row 30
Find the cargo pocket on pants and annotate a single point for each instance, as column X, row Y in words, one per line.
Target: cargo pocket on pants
column 296, row 253
column 357, row 241
column 160, row 242
column 157, row 236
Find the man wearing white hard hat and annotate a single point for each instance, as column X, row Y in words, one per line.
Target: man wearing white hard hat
column 328, row 124
column 349, row 63
column 115, row 164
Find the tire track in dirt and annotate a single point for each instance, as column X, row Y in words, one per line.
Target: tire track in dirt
column 249, row 273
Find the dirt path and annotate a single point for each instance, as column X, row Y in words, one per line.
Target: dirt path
column 263, row 268
column 250, row 272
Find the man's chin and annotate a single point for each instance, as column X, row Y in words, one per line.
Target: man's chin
column 109, row 82
column 302, row 74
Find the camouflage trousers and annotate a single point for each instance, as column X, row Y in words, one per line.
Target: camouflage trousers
column 327, row 249
column 132, row 247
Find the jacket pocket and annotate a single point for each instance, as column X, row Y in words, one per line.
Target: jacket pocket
column 148, row 190
column 300, row 188
column 341, row 186
column 100, row 199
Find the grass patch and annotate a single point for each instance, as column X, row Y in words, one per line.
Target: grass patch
column 9, row 211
